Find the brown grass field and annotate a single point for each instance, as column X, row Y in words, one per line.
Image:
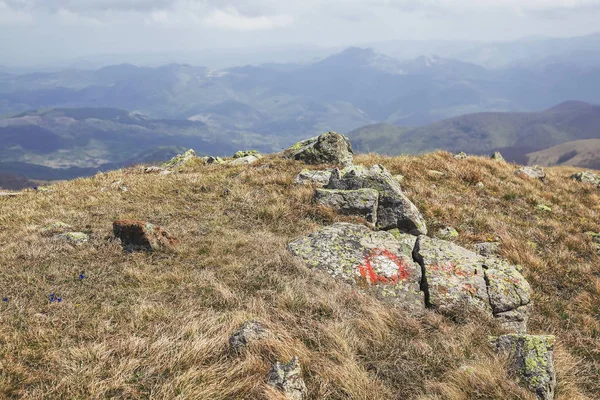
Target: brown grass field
column 156, row 325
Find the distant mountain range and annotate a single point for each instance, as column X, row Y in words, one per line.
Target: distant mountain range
column 519, row 136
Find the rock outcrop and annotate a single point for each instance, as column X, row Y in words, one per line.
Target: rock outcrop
column 535, row 172
column 394, row 209
column 180, row 159
column 532, row 360
column 497, row 156
column 586, row 177
column 144, row 236
column 461, row 156
column 311, row 177
column 249, row 332
column 246, row 153
column 375, row 261
column 287, row 378
column 74, row 238
column 360, row 202
column 329, row 148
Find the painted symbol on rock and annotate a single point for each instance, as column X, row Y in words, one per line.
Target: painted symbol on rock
column 382, row 267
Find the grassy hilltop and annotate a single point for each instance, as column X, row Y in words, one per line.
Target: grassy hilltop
column 156, row 325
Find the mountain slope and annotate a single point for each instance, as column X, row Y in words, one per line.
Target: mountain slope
column 137, row 325
column 514, row 133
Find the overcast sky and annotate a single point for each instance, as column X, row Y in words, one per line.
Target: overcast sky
column 35, row 31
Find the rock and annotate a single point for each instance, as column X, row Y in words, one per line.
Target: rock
column 480, row 185
column 594, row 236
column 287, row 378
column 180, row 159
column 10, row 194
column 311, row 177
column 460, row 156
column 244, row 160
column 376, row 261
column 212, row 160
column 246, row 153
column 586, row 177
column 497, row 156
column 360, row 202
column 487, row 249
column 435, row 173
column 399, row 178
column 394, row 210
column 329, row 148
column 75, row 238
column 140, row 235
column 55, row 228
column 448, row 233
column 454, row 276
column 157, row 170
column 543, row 208
column 535, row 172
column 249, row 332
column 532, row 358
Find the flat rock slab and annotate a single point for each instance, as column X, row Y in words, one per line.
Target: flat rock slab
column 141, row 235
column 361, row 202
column 394, row 210
column 532, row 358
column 251, row 159
column 311, row 177
column 376, row 261
column 534, row 172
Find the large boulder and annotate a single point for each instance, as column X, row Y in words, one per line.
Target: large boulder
column 312, row 177
column 534, row 172
column 532, row 360
column 141, row 235
column 361, row 202
column 329, row 148
column 456, row 277
column 586, row 177
column 287, row 378
column 394, row 210
column 376, row 261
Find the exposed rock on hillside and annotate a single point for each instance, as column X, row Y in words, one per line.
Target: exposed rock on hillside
column 311, row 177
column 249, row 332
column 249, row 159
column 75, row 238
column 287, row 377
column 376, row 261
column 461, row 156
column 587, row 177
column 141, row 235
column 246, row 153
column 329, row 148
column 394, row 209
column 532, row 361
column 361, row 202
column 180, row 159
column 535, row 172
column 497, row 156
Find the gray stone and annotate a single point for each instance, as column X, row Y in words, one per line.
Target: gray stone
column 287, row 378
column 448, row 233
column 157, row 170
column 487, row 249
column 212, row 160
column 460, row 156
column 360, row 202
column 311, row 177
column 329, row 148
column 586, row 177
column 497, row 156
column 395, row 210
column 249, row 332
column 377, row 262
column 534, row 172
column 180, row 159
column 74, row 238
column 244, row 160
column 532, row 359
column 246, row 153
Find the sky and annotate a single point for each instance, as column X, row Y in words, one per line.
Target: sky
column 45, row 31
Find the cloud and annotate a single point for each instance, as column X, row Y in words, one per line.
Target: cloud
column 11, row 16
column 231, row 19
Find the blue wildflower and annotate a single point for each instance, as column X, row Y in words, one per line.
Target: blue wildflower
column 59, row 299
column 177, row 191
column 81, row 276
column 35, row 188
column 5, row 299
column 52, row 297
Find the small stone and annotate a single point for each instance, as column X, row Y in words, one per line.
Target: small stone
column 487, row 249
column 399, row 178
column 448, row 233
column 460, row 156
column 75, row 238
column 329, row 148
column 435, row 173
column 532, row 360
column 497, row 156
column 586, row 177
column 249, row 332
column 311, row 177
column 535, row 172
column 360, row 202
column 287, row 378
column 543, row 208
column 156, row 170
column 251, row 159
column 246, row 153
column 141, row 235
column 480, row 185
column 180, row 159
column 212, row 160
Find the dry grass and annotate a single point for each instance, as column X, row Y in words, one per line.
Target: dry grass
column 156, row 325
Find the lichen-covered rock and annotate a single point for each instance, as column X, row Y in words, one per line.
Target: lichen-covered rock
column 487, row 249
column 497, row 156
column 448, row 233
column 543, row 208
column 55, row 228
column 454, row 276
column 395, row 210
column 250, row 331
column 460, row 156
column 157, row 170
column 509, row 294
column 180, row 159
column 329, row 148
column 311, row 177
column 287, row 378
column 212, row 160
column 586, row 177
column 360, row 202
column 535, row 172
column 75, row 238
column 251, row 159
column 141, row 235
column 532, row 361
column 376, row 261
column 246, row 153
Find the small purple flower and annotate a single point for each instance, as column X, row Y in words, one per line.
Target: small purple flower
column 177, row 191
column 35, row 188
column 59, row 299
column 81, row 276
column 52, row 297
column 5, row 299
